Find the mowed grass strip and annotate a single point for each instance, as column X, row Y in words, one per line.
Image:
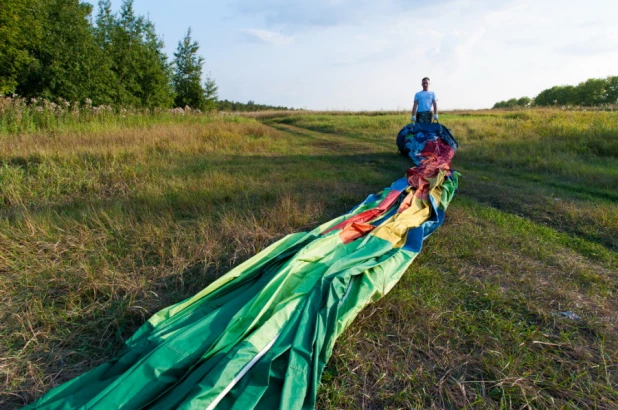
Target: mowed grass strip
column 101, row 228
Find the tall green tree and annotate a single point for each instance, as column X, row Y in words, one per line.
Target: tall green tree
column 187, row 78
column 156, row 72
column 20, row 32
column 107, row 85
column 210, row 93
column 52, row 49
column 62, row 63
column 557, row 95
column 591, row 92
column 612, row 90
column 140, row 74
column 124, row 49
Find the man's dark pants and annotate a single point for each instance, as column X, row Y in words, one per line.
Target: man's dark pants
column 425, row 116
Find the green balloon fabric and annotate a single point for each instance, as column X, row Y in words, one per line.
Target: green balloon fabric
column 260, row 336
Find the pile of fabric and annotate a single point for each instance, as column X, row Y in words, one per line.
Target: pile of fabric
column 260, row 336
column 412, row 138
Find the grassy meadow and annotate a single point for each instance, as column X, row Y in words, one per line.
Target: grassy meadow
column 513, row 302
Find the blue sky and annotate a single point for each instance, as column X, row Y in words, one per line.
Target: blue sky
column 371, row 55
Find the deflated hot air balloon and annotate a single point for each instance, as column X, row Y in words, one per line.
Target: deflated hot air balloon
column 259, row 336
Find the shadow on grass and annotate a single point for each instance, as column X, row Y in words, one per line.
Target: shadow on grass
column 250, row 183
column 97, row 335
column 573, row 189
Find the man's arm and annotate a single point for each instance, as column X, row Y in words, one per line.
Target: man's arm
column 414, row 107
column 435, row 107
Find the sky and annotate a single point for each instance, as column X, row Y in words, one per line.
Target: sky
column 372, row 54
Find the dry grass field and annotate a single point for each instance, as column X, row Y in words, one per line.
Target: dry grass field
column 511, row 304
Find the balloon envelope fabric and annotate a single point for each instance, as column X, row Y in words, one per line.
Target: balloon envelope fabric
column 259, row 336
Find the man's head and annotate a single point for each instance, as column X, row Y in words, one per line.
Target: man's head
column 425, row 83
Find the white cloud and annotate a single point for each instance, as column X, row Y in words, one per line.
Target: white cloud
column 266, row 36
column 300, row 14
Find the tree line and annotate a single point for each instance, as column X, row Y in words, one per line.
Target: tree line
column 593, row 92
column 225, row 105
column 57, row 50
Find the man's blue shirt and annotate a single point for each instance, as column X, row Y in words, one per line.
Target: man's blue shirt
column 425, row 100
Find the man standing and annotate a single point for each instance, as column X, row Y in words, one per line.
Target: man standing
column 423, row 102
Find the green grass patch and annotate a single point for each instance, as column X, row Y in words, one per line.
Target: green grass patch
column 104, row 221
